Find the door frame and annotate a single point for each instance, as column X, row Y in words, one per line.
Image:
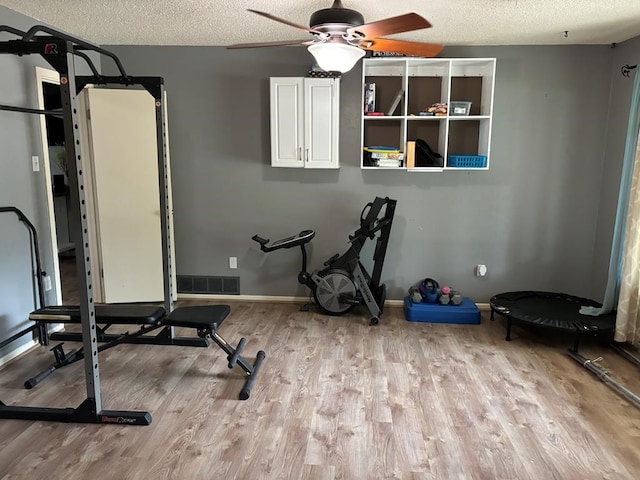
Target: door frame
column 45, row 75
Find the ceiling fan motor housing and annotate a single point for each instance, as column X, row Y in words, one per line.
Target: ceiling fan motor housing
column 336, row 16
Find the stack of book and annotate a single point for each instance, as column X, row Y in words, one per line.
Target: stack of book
column 380, row 156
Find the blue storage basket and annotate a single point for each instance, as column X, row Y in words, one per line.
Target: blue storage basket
column 467, row 161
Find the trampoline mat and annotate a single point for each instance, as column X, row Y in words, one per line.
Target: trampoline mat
column 553, row 310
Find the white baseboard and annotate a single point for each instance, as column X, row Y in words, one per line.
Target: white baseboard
column 27, row 346
column 278, row 299
column 17, row 352
column 242, row 298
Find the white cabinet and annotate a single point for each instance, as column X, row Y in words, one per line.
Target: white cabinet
column 304, row 122
column 462, row 137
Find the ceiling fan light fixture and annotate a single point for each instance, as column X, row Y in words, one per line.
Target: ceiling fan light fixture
column 335, row 57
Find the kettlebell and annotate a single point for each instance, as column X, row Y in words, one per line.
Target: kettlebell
column 429, row 290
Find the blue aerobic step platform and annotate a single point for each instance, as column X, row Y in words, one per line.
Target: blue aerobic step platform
column 467, row 312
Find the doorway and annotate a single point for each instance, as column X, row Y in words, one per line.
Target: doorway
column 119, row 134
column 56, row 184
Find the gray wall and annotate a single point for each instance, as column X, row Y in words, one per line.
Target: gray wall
column 20, row 138
column 532, row 219
column 19, row 185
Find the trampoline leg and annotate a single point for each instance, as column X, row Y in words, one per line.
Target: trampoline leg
column 576, row 344
column 508, row 338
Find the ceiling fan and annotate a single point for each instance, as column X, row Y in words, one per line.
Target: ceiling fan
column 340, row 36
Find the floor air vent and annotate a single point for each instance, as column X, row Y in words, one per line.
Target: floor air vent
column 199, row 284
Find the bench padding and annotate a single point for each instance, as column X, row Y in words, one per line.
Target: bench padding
column 111, row 314
column 200, row 316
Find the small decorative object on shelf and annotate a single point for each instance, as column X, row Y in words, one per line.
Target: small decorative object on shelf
column 437, row 110
column 460, row 108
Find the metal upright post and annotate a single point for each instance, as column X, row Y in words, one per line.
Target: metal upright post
column 381, row 245
column 163, row 176
column 78, row 219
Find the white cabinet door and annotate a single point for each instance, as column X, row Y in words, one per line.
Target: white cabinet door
column 286, row 122
column 304, row 122
column 321, row 114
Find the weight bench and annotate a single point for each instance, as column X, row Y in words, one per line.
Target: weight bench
column 204, row 319
column 149, row 318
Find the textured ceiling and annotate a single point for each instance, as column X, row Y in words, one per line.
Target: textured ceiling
column 224, row 22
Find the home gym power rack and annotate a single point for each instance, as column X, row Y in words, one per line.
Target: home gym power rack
column 59, row 50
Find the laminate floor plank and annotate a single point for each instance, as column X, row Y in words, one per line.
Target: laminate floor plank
column 335, row 399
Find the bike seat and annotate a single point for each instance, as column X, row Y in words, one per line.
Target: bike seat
column 301, row 238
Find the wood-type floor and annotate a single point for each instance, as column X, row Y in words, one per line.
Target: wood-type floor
column 335, row 399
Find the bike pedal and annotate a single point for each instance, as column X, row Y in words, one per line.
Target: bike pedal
column 349, row 300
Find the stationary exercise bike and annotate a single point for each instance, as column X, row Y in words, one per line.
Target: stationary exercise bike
column 344, row 282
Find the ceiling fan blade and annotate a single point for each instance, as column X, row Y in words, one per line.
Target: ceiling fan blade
column 282, row 20
column 389, row 26
column 399, row 46
column 271, row 44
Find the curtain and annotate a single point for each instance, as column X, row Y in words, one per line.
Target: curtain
column 612, row 293
column 627, row 320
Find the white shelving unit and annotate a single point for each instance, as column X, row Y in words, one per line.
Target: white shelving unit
column 423, row 82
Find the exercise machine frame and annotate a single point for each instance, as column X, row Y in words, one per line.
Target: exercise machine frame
column 59, row 50
column 206, row 319
column 344, row 282
column 41, row 329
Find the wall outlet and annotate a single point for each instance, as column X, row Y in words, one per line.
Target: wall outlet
column 481, row 270
column 35, row 161
column 233, row 262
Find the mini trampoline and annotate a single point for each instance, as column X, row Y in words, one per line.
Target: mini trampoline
column 561, row 312
column 557, row 311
